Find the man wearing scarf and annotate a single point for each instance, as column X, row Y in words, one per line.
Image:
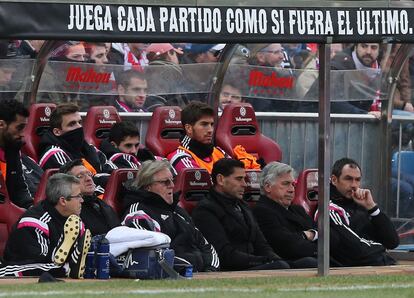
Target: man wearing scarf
column 64, row 141
column 196, row 149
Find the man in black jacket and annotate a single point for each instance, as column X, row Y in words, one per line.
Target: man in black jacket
column 122, row 146
column 98, row 216
column 149, row 204
column 227, row 222
column 354, row 207
column 13, row 120
column 50, row 234
column 289, row 230
column 65, row 141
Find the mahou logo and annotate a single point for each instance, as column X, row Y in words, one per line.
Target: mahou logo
column 89, row 79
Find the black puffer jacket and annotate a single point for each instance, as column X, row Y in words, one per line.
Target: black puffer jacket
column 147, row 210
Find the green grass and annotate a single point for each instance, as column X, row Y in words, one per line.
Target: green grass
column 286, row 287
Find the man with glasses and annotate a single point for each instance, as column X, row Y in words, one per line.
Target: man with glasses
column 50, row 234
column 149, row 204
column 98, row 216
column 132, row 91
column 122, row 146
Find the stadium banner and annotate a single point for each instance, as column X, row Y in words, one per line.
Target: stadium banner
column 28, row 20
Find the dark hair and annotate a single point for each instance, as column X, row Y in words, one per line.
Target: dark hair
column 340, row 163
column 60, row 111
column 124, row 78
column 225, row 167
column 194, row 111
column 119, row 131
column 67, row 167
column 90, row 45
column 10, row 108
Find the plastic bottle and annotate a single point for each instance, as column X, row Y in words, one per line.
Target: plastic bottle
column 90, row 264
column 102, row 260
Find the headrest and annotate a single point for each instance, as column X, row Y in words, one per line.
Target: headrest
column 37, row 123
column 98, row 122
column 165, row 130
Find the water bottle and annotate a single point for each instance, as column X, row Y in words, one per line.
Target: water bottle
column 90, row 264
column 102, row 260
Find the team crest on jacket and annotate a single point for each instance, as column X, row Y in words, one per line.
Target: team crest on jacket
column 164, row 216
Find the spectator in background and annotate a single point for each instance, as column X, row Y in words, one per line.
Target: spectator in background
column 122, row 146
column 228, row 223
column 355, row 92
column 98, row 216
column 131, row 55
column 132, row 91
column 270, row 61
column 166, row 76
column 336, row 48
column 202, row 53
column 149, row 204
column 196, row 148
column 30, row 48
column 198, row 78
column 55, row 74
column 13, row 120
column 230, row 93
column 96, row 53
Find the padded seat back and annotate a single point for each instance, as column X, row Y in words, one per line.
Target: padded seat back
column 252, row 190
column 41, row 188
column 9, row 214
column 114, row 188
column 98, row 123
column 306, row 191
column 37, row 123
column 238, row 126
column 194, row 185
column 164, row 130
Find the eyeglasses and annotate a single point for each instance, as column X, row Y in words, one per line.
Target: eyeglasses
column 215, row 53
column 84, row 175
column 79, row 196
column 167, row 182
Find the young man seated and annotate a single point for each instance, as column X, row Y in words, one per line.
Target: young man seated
column 197, row 149
column 122, row 146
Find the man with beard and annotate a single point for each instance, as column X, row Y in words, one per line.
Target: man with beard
column 132, row 91
column 354, row 91
column 13, row 120
column 196, row 149
column 64, row 141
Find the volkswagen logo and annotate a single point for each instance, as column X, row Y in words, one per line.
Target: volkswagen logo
column 197, row 175
column 171, row 113
column 106, row 114
column 243, row 111
column 48, row 111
